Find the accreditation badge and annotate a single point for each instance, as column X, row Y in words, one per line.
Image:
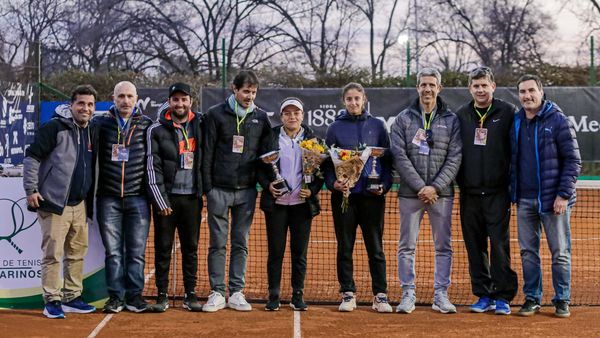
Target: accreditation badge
column 120, row 153
column 420, row 136
column 480, row 136
column 238, row 144
column 424, row 148
column 187, row 160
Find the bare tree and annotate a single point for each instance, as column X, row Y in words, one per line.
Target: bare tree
column 186, row 35
column 31, row 22
column 390, row 30
column 504, row 34
column 321, row 32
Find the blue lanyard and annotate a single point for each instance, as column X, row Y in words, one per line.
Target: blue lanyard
column 123, row 125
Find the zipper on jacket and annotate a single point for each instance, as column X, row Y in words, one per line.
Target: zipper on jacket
column 537, row 163
column 76, row 158
column 123, row 163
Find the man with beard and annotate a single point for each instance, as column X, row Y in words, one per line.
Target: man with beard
column 175, row 179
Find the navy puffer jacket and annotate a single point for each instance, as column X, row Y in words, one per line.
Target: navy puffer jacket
column 557, row 156
column 352, row 132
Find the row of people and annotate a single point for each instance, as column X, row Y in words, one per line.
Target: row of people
column 486, row 147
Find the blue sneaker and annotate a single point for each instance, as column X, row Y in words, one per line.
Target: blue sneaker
column 502, row 307
column 484, row 304
column 77, row 305
column 54, row 310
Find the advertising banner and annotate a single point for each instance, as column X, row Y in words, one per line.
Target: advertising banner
column 18, row 118
column 21, row 254
column 580, row 104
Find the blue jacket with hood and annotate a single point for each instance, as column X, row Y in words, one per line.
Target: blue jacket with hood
column 557, row 156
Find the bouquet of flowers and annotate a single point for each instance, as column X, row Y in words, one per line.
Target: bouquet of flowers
column 348, row 167
column 313, row 154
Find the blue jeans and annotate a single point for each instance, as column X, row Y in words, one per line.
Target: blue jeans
column 558, row 235
column 124, row 224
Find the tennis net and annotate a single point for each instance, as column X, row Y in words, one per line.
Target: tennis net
column 321, row 285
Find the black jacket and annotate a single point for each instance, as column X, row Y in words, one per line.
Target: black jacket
column 120, row 178
column 221, row 167
column 164, row 157
column 485, row 169
column 266, row 176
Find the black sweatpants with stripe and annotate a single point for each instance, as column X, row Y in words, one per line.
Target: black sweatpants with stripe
column 186, row 219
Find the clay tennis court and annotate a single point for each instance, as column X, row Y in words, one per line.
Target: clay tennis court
column 323, row 319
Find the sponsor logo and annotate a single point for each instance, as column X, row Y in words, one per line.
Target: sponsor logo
column 585, row 125
column 13, row 233
column 13, row 212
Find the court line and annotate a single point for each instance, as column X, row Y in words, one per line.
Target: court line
column 454, row 240
column 297, row 325
column 101, row 325
column 108, row 317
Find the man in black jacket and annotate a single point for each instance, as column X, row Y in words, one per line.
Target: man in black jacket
column 174, row 177
column 123, row 209
column 483, row 178
column 235, row 131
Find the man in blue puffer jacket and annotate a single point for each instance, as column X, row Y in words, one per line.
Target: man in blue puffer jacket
column 545, row 164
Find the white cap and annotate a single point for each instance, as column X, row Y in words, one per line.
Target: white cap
column 291, row 102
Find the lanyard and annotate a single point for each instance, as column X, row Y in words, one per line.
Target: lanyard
column 123, row 126
column 185, row 135
column 239, row 122
column 482, row 117
column 427, row 123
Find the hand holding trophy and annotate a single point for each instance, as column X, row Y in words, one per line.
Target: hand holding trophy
column 280, row 184
column 374, row 181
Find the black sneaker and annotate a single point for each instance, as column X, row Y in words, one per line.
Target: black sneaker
column 162, row 302
column 190, row 302
column 113, row 305
column 273, row 303
column 136, row 304
column 297, row 302
column 529, row 308
column 561, row 309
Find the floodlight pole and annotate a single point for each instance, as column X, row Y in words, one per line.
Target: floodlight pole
column 592, row 66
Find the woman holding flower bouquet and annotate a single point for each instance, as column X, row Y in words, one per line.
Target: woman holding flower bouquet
column 293, row 209
column 355, row 200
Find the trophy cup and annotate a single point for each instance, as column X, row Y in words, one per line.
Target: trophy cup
column 373, row 181
column 271, row 158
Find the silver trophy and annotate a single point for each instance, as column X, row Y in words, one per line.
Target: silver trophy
column 271, row 158
column 374, row 181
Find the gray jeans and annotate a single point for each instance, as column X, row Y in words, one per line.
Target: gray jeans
column 241, row 203
column 440, row 217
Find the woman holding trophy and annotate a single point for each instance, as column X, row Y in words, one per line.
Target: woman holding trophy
column 359, row 175
column 289, row 198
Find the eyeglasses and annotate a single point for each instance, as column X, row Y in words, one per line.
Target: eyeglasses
column 429, row 137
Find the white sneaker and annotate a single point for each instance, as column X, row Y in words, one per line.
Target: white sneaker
column 348, row 302
column 380, row 303
column 407, row 303
column 442, row 304
column 238, row 302
column 215, row 302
